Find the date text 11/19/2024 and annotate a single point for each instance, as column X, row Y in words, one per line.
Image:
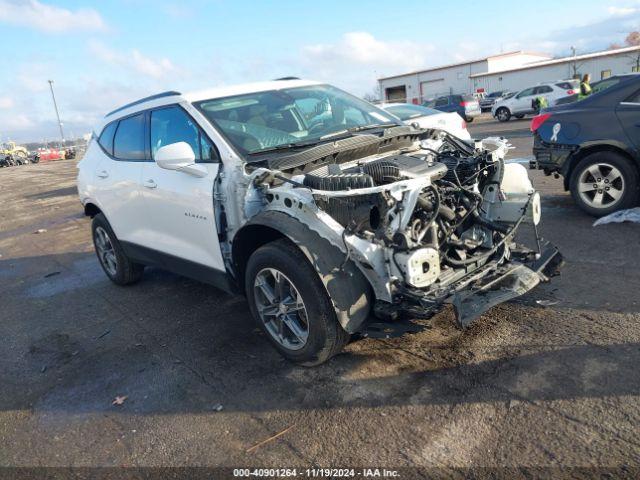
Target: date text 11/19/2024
column 316, row 472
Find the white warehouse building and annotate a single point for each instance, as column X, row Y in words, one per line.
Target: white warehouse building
column 511, row 71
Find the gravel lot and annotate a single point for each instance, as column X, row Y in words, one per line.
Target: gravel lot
column 527, row 391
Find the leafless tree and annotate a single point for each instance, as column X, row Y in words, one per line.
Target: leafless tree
column 374, row 96
column 633, row 39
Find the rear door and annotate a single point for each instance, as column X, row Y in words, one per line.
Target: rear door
column 628, row 113
column 546, row 92
column 179, row 206
column 117, row 177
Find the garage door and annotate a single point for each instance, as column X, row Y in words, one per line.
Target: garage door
column 432, row 88
column 396, row 94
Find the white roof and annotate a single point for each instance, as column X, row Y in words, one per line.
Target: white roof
column 229, row 90
column 586, row 56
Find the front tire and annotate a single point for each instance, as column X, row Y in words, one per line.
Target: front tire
column 290, row 304
column 604, row 182
column 503, row 114
column 115, row 263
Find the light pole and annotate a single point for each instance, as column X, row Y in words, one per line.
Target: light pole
column 55, row 105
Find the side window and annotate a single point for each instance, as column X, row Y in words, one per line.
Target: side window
column 106, row 137
column 544, row 89
column 442, row 101
column 172, row 125
column 526, row 93
column 208, row 152
column 128, row 143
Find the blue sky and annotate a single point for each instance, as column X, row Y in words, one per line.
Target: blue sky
column 102, row 54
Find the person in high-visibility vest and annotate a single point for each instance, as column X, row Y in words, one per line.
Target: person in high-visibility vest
column 585, row 87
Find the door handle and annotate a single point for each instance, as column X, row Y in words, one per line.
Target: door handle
column 102, row 174
column 150, row 183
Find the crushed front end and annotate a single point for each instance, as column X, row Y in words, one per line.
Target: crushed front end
column 427, row 218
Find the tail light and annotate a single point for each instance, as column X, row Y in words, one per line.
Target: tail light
column 570, row 92
column 464, row 104
column 538, row 120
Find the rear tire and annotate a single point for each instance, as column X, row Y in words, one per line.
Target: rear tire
column 290, row 304
column 604, row 182
column 469, row 119
column 503, row 114
column 115, row 263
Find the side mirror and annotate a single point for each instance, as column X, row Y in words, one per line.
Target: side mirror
column 179, row 156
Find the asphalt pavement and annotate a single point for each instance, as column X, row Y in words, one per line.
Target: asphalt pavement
column 173, row 373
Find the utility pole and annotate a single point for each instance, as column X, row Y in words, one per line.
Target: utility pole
column 55, row 105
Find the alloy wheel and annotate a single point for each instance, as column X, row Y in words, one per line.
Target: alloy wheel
column 106, row 253
column 601, row 185
column 281, row 308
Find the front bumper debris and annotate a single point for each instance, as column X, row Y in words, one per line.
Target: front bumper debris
column 512, row 281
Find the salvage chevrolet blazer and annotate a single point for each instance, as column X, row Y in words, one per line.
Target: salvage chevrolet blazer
column 325, row 211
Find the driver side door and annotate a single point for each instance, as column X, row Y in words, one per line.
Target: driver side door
column 522, row 101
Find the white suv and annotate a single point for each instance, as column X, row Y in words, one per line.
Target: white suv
column 521, row 103
column 325, row 211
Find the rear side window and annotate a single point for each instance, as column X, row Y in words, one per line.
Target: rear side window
column 128, row 143
column 172, row 125
column 442, row 101
column 544, row 89
column 567, row 85
column 106, row 137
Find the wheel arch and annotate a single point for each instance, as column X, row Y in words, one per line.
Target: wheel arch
column 587, row 150
column 348, row 289
column 91, row 209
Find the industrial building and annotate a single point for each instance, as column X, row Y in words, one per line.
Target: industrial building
column 507, row 71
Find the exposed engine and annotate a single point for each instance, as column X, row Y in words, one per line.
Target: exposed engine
column 424, row 225
column 454, row 220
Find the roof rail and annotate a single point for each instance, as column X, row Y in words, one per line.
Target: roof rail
column 170, row 93
column 287, row 78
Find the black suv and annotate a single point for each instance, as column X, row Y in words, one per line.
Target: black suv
column 594, row 143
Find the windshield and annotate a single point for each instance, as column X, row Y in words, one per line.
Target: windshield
column 291, row 117
column 407, row 111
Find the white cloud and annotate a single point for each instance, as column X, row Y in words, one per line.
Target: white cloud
column 356, row 59
column 362, row 48
column 49, row 18
column 133, row 60
column 621, row 11
column 5, row 103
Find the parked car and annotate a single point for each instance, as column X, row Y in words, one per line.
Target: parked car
column 47, row 154
column 594, row 144
column 490, row 99
column 521, row 103
column 464, row 105
column 426, row 117
column 325, row 225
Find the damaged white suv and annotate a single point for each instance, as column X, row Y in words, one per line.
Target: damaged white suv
column 327, row 213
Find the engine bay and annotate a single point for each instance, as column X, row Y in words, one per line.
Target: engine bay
column 421, row 223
